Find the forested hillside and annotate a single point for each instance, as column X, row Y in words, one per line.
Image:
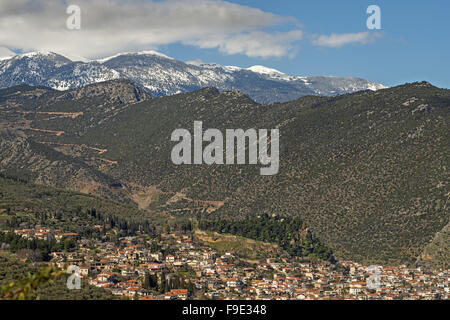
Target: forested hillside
column 366, row 172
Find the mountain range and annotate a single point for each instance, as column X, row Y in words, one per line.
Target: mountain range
column 161, row 75
column 366, row 172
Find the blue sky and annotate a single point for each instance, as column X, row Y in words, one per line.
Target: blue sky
column 415, row 41
column 298, row 37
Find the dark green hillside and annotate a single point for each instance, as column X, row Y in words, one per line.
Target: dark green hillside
column 12, row 269
column 289, row 233
column 34, row 120
column 28, row 160
column 366, row 172
column 31, row 205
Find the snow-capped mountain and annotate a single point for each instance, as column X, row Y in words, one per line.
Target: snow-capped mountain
column 163, row 75
column 52, row 70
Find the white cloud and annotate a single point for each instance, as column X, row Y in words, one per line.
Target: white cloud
column 253, row 44
column 111, row 26
column 339, row 40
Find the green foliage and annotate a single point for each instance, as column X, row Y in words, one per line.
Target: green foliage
column 23, row 281
column 70, row 211
column 289, row 233
column 26, row 288
column 367, row 172
column 43, row 247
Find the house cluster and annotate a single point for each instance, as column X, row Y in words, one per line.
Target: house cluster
column 47, row 234
column 350, row 281
column 124, row 266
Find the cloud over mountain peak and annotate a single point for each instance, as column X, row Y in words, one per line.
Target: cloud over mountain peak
column 111, row 26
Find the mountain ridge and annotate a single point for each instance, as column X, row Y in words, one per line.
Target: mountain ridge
column 162, row 75
column 351, row 166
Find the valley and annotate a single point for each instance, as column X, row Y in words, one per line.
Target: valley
column 351, row 166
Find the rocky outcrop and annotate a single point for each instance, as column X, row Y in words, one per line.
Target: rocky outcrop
column 115, row 91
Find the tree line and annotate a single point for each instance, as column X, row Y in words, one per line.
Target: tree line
column 289, row 233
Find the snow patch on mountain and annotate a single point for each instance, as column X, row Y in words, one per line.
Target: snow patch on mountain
column 272, row 73
column 265, row 70
column 74, row 58
column 5, row 53
column 142, row 53
column 163, row 75
column 375, row 86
